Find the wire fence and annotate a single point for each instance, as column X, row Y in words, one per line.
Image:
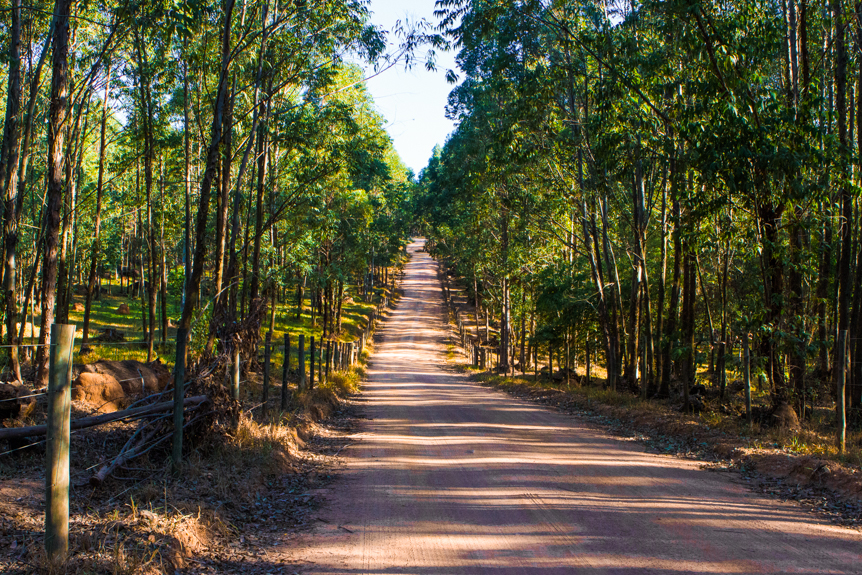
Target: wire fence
column 24, row 396
column 23, row 447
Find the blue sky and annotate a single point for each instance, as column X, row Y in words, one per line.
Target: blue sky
column 412, row 101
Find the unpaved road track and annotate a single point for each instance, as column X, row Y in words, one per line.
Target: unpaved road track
column 446, row 477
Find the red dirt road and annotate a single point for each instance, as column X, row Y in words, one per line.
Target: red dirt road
column 446, row 477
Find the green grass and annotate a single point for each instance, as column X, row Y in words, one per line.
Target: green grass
column 104, row 315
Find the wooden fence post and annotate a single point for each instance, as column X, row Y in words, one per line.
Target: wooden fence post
column 328, row 359
column 235, row 373
column 746, row 377
column 179, row 395
column 58, row 437
column 320, row 362
column 266, row 357
column 336, row 356
column 301, row 366
column 311, row 364
column 284, row 371
column 841, row 403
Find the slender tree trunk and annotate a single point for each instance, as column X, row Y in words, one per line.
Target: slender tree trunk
column 63, row 273
column 723, row 348
column 54, row 197
column 673, row 308
column 9, row 182
column 662, row 283
column 845, row 195
column 223, row 201
column 797, row 354
column 163, row 266
column 96, row 249
column 193, row 292
column 187, row 177
column 505, row 316
column 262, row 158
column 591, row 245
column 233, row 265
column 689, row 366
column 340, row 304
column 631, row 371
column 30, row 296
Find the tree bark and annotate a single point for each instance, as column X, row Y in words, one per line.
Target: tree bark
column 56, row 137
column 9, row 181
column 193, row 289
column 262, row 158
column 96, row 248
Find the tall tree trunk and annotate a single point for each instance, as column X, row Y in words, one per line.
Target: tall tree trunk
column 631, row 367
column 824, row 274
column 96, row 249
column 689, row 293
column 222, row 206
column 673, row 307
column 193, row 290
column 163, row 264
column 773, row 282
column 63, row 271
column 233, row 265
column 223, row 199
column 846, row 196
column 340, row 305
column 54, row 197
column 262, row 158
column 9, row 182
column 505, row 316
column 187, row 177
column 591, row 245
column 797, row 354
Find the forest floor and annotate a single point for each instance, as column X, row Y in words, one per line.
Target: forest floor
column 444, row 475
column 236, row 500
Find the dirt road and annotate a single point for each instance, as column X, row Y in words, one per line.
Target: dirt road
column 446, row 477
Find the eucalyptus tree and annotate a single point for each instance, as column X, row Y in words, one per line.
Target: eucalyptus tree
column 656, row 135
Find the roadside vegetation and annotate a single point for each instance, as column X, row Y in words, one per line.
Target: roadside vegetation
column 667, row 194
column 213, row 174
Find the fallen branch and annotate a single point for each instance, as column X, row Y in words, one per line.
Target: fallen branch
column 143, row 446
column 84, row 422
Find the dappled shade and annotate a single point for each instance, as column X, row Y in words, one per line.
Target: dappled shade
column 448, row 477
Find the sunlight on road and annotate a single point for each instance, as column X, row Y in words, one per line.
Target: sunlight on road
column 447, row 477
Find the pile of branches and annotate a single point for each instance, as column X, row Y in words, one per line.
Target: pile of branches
column 155, row 429
column 209, row 412
column 212, row 417
column 230, row 334
column 218, row 412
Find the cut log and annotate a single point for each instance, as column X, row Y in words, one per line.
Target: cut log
column 84, row 422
